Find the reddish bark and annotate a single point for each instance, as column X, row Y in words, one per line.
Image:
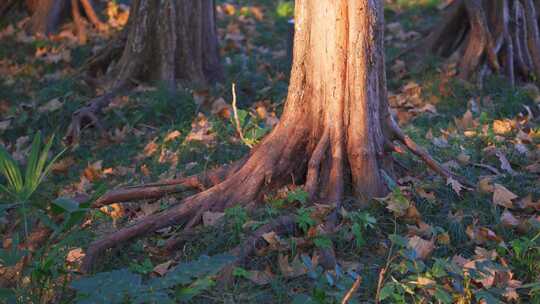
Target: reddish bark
column 332, row 133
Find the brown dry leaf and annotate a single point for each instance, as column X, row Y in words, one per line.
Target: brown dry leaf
column 63, row 165
column 201, row 130
column 505, row 164
column 93, row 172
column 424, row 282
column 115, row 211
column 51, row 106
column 75, row 255
column 528, row 202
column 292, row 270
column 397, row 204
column 502, row 127
column 459, row 260
column 271, row 238
column 221, row 108
column 150, row 148
column 456, row 186
column 509, row 220
column 482, row 253
column 163, row 268
column 485, row 186
column 488, row 274
column 480, row 235
column 466, row 122
column 212, row 218
column 257, row 12
column 412, row 215
column 229, row 9
column 502, row 196
column 145, row 170
column 421, row 229
column 443, row 238
column 260, row 277
column 421, row 247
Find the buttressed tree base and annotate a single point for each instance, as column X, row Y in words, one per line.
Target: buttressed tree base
column 489, row 36
column 335, row 136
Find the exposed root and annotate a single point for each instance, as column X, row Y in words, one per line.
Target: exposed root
column 158, row 190
column 424, row 155
column 87, row 116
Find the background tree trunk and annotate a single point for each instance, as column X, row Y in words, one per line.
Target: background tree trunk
column 164, row 41
column 170, row 41
column 47, row 15
column 333, row 135
column 499, row 36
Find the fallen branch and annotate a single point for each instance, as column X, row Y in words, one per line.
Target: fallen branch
column 351, row 291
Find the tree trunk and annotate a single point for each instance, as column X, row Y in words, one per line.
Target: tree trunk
column 175, row 40
column 165, row 42
column 499, row 36
column 334, row 135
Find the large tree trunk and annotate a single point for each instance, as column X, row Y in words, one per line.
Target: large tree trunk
column 164, row 42
column 499, row 36
column 333, row 136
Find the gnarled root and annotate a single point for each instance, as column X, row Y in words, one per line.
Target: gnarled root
column 494, row 36
column 87, row 116
column 268, row 166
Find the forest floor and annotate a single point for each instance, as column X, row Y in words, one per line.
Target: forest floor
column 428, row 241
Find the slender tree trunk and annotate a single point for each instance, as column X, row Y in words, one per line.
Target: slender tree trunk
column 334, row 135
column 489, row 36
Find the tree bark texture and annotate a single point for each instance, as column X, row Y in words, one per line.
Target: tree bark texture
column 169, row 41
column 334, row 136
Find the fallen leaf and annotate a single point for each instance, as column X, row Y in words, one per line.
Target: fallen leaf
column 502, row 127
column 75, row 255
column 502, row 196
column 162, row 268
column 295, row 269
column 509, row 220
column 51, row 106
column 456, row 186
column 505, row 164
column 421, row 247
column 150, row 149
